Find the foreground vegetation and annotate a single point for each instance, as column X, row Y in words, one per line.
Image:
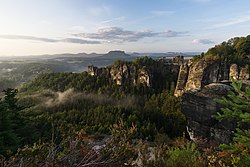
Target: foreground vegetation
column 123, row 146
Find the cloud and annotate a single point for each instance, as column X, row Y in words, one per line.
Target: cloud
column 119, row 35
column 203, row 41
column 79, row 41
column 233, row 21
column 27, row 38
column 103, row 35
column 162, row 12
column 113, row 19
column 66, row 40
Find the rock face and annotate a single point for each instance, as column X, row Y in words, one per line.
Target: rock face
column 196, row 75
column 244, row 74
column 92, row 70
column 234, row 72
column 145, row 77
column 124, row 73
column 178, row 59
column 133, row 74
column 182, row 79
column 198, row 85
column 199, row 106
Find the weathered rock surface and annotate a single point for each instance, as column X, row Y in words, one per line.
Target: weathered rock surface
column 234, row 72
column 182, row 79
column 124, row 73
column 198, row 85
column 244, row 74
column 130, row 73
column 200, row 107
column 92, row 70
column 196, row 75
column 178, row 59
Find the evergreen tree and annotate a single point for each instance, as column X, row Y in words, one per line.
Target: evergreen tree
column 237, row 108
column 9, row 141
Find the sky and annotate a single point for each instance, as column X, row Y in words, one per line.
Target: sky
column 37, row 27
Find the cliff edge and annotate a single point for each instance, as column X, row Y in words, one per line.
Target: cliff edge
column 199, row 83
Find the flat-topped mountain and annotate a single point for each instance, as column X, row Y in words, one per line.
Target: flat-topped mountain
column 116, row 54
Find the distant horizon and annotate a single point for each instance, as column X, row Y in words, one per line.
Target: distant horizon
column 101, row 53
column 46, row 27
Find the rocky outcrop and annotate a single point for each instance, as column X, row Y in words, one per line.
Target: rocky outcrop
column 200, row 107
column 95, row 71
column 237, row 73
column 182, row 79
column 123, row 73
column 196, row 75
column 199, row 84
column 128, row 73
column 178, row 60
column 144, row 76
column 92, row 70
column 234, row 72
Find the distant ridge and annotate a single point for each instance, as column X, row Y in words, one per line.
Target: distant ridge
column 116, row 54
column 113, row 54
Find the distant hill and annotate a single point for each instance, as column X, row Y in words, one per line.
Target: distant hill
column 117, row 54
column 167, row 54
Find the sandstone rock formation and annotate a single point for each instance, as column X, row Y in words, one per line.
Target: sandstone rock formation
column 92, row 70
column 129, row 73
column 196, row 75
column 200, row 107
column 198, row 85
column 178, row 59
column 123, row 73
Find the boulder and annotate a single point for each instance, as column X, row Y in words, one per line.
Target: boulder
column 234, row 72
column 200, row 108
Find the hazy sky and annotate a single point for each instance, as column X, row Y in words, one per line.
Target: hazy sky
column 29, row 27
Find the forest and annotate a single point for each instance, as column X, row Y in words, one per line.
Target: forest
column 74, row 119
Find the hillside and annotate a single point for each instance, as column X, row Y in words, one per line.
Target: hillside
column 15, row 71
column 235, row 50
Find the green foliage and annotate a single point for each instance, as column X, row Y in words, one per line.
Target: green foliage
column 97, row 103
column 237, row 108
column 185, row 156
column 145, row 61
column 16, row 130
column 14, row 73
column 164, row 110
column 120, row 149
column 96, row 113
column 234, row 50
column 236, row 105
column 61, row 104
column 10, row 123
column 163, row 77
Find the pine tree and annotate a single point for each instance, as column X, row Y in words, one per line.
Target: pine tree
column 9, row 122
column 8, row 138
column 237, row 108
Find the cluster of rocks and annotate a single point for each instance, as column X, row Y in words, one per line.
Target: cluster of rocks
column 178, row 60
column 130, row 73
column 125, row 73
column 196, row 75
column 199, row 84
